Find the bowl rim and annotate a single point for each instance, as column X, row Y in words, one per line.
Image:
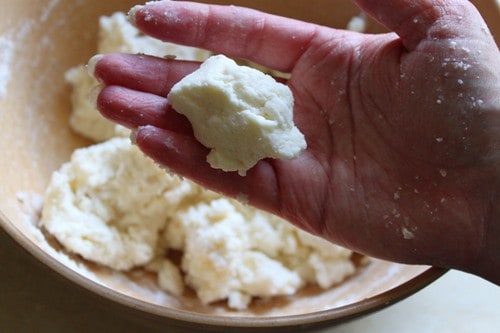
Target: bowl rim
column 199, row 320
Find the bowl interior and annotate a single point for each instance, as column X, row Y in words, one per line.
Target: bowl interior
column 39, row 41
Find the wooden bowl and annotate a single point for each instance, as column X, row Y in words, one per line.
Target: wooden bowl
column 39, row 41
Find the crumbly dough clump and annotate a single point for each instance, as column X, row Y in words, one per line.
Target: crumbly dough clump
column 240, row 113
column 236, row 252
column 114, row 206
column 109, row 203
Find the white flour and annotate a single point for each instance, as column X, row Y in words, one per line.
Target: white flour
column 49, row 8
column 6, row 56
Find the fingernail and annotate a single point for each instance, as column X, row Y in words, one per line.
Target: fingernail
column 92, row 63
column 94, row 94
column 132, row 12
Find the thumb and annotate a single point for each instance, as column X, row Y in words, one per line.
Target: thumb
column 418, row 20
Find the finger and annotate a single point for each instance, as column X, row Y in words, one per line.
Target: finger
column 184, row 155
column 132, row 109
column 140, row 72
column 415, row 21
column 269, row 40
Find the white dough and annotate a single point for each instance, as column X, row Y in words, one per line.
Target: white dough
column 240, row 113
column 109, row 203
column 114, row 206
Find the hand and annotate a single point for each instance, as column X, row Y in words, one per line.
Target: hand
column 403, row 128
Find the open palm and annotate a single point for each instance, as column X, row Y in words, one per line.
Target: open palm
column 401, row 161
